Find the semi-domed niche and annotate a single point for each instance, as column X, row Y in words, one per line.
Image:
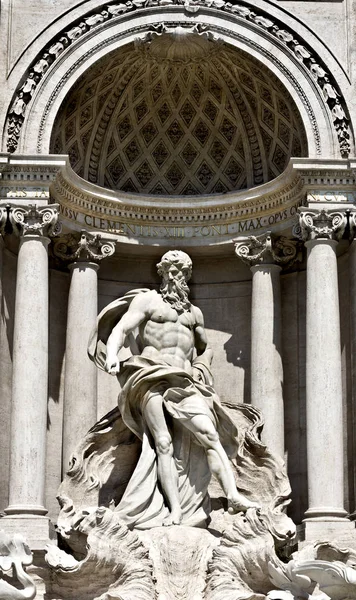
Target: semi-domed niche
column 178, row 114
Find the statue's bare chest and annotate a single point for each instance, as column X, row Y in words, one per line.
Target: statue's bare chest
column 165, row 314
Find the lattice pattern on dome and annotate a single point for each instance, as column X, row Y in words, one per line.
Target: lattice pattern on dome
column 163, row 127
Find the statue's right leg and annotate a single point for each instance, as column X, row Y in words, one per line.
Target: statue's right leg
column 167, row 472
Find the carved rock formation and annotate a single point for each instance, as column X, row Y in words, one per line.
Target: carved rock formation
column 15, row 555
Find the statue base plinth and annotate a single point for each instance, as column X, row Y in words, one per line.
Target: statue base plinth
column 38, row 531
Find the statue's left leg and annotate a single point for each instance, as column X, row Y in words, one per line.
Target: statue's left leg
column 219, row 464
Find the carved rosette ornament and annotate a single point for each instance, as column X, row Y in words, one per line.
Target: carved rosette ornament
column 35, row 221
column 266, row 249
column 316, row 223
column 89, row 248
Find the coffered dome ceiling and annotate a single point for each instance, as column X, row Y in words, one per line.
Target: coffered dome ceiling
column 181, row 115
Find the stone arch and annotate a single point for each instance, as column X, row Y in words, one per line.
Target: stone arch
column 303, row 74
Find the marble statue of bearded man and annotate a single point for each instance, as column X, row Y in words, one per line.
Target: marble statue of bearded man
column 168, row 401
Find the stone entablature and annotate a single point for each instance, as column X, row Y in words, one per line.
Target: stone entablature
column 206, row 220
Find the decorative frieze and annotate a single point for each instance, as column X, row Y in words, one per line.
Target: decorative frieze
column 267, row 249
column 321, row 224
column 35, row 221
column 89, row 248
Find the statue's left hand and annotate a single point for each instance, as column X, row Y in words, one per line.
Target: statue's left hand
column 112, row 366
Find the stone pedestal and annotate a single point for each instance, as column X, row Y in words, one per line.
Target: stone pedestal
column 30, row 368
column 322, row 229
column 80, row 388
column 314, row 530
column 266, row 256
column 38, row 530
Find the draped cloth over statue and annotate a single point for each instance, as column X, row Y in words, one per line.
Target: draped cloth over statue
column 142, row 505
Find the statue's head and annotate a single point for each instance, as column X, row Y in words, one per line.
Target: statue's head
column 179, row 259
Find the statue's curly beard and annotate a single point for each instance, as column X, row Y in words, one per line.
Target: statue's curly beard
column 176, row 294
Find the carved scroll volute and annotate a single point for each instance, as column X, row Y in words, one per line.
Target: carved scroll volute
column 35, row 221
column 321, row 224
column 266, row 249
column 89, row 247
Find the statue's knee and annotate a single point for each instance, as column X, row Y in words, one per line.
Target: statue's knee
column 210, row 435
column 213, row 436
column 164, row 444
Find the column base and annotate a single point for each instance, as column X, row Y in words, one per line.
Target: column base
column 325, row 512
column 326, row 530
column 37, row 531
column 26, row 509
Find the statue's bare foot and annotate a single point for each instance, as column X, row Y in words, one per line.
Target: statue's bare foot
column 174, row 518
column 239, row 503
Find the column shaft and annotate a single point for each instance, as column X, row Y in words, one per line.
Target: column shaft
column 352, row 272
column 266, row 362
column 80, row 390
column 323, row 383
column 30, row 379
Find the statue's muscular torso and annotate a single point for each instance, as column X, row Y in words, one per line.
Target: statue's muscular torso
column 167, row 335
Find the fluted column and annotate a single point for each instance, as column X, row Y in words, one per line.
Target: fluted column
column 321, row 230
column 266, row 256
column 30, row 360
column 80, row 387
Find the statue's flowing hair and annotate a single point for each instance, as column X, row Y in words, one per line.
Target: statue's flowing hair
column 176, row 292
column 178, row 258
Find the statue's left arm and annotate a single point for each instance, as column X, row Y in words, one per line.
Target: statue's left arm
column 201, row 340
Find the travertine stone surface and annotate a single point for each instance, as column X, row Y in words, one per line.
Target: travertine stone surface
column 80, row 387
column 266, row 360
column 30, row 361
column 266, row 257
column 323, row 377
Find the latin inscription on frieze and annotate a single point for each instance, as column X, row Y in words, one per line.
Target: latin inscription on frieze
column 178, row 231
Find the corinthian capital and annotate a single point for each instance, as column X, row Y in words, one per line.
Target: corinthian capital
column 266, row 249
column 34, row 220
column 89, row 247
column 316, row 223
